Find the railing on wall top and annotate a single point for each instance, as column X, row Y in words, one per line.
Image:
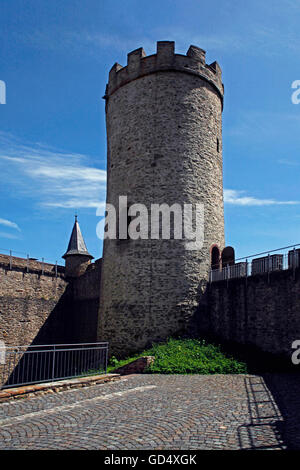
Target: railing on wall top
column 14, row 259
column 43, row 363
column 260, row 263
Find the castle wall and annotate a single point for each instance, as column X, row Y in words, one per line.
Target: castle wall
column 28, row 296
column 86, row 296
column 39, row 305
column 260, row 311
column 34, row 305
column 163, row 115
column 44, row 307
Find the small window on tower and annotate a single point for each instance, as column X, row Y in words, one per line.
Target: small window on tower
column 218, row 145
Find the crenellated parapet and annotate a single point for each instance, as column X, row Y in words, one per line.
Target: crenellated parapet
column 165, row 59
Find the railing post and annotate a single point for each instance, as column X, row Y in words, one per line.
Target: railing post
column 294, row 263
column 43, row 266
column 53, row 362
column 10, row 259
column 268, row 268
column 27, row 264
column 56, row 269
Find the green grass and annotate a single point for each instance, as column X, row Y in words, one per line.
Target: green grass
column 186, row 356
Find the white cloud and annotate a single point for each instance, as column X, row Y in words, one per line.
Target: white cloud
column 232, row 196
column 70, row 173
column 76, row 204
column 10, row 224
column 51, row 177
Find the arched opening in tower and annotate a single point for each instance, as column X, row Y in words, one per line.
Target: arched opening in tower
column 228, row 257
column 215, row 258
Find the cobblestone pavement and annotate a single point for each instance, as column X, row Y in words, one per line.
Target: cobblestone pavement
column 160, row 412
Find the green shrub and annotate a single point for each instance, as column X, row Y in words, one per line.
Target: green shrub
column 113, row 362
column 189, row 356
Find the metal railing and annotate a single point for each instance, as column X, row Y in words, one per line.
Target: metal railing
column 14, row 259
column 258, row 264
column 44, row 363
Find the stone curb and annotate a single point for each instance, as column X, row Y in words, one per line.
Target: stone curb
column 53, row 387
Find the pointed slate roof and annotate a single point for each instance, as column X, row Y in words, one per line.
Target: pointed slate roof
column 77, row 244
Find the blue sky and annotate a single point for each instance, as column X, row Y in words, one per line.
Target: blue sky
column 55, row 57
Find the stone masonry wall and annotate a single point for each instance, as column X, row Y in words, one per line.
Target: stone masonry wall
column 34, row 304
column 86, row 296
column 38, row 305
column 27, row 298
column 258, row 311
column 44, row 308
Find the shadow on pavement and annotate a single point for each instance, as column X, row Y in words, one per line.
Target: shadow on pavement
column 274, row 408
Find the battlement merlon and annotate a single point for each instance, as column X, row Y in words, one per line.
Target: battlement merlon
column 165, row 59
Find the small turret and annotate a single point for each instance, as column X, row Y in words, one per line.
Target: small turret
column 77, row 256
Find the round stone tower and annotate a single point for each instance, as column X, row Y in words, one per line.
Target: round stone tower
column 164, row 146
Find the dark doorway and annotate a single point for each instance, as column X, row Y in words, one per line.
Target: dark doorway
column 228, row 256
column 215, row 258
